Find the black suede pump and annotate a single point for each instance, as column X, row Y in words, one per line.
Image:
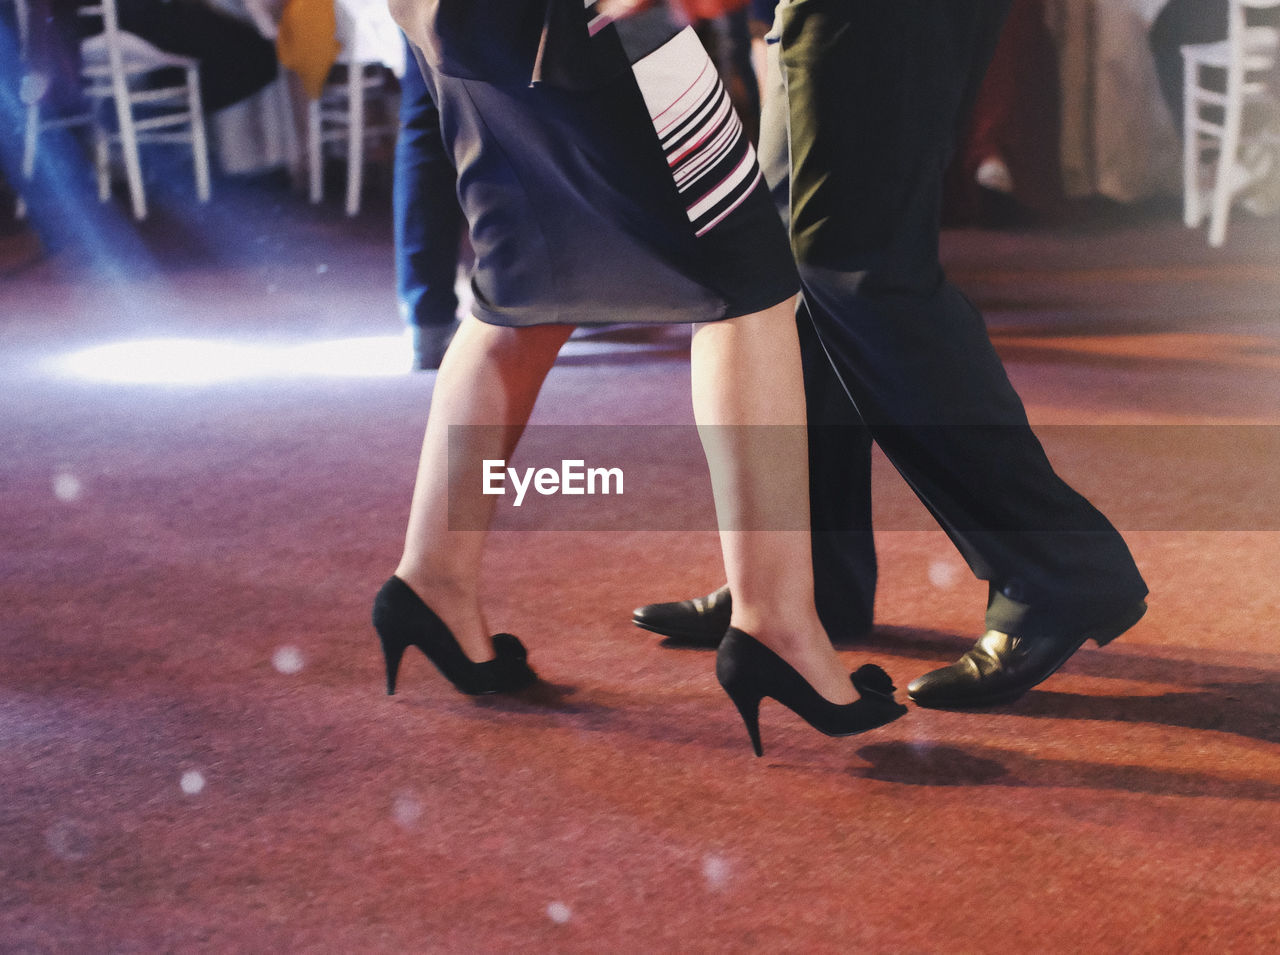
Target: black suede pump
column 402, row 620
column 749, row 671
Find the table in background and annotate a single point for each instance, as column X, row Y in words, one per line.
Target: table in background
column 265, row 131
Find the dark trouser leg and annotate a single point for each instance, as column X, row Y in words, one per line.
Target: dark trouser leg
column 876, row 90
column 844, row 555
column 428, row 219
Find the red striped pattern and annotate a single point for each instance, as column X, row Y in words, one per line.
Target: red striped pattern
column 711, row 158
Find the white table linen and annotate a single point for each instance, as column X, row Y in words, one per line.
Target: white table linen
column 265, row 131
column 1117, row 137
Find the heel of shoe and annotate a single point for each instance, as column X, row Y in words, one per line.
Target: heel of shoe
column 388, row 624
column 748, row 705
column 749, row 671
column 392, row 654
column 734, row 671
column 402, row 620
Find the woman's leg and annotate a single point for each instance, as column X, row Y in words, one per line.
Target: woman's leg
column 484, row 393
column 748, row 400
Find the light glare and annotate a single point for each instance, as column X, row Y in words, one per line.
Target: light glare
column 192, row 361
column 944, row 574
column 715, row 869
column 68, row 840
column 287, row 660
column 406, row 810
column 67, row 487
column 192, row 782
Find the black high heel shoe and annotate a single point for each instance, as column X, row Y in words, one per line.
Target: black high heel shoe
column 749, row 671
column 403, row 620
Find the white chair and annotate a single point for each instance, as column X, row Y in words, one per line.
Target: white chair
column 129, row 111
column 31, row 92
column 1212, row 121
column 370, row 45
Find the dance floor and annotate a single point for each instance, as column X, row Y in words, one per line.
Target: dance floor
column 209, row 444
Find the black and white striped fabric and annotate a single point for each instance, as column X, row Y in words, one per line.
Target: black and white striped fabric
column 711, row 158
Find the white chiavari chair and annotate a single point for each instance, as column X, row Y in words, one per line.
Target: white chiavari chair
column 135, row 103
column 1213, row 121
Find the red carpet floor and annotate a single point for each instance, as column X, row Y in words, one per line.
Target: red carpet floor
column 196, row 753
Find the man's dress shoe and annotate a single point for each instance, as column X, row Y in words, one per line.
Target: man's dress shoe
column 1002, row 667
column 701, row 622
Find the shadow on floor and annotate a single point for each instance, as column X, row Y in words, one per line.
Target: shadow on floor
column 927, row 764
column 1246, row 709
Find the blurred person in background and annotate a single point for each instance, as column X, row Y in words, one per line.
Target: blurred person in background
column 428, row 222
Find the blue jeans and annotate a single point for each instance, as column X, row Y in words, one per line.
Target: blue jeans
column 428, row 219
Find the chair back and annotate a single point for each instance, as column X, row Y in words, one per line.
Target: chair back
column 1213, row 116
column 171, row 111
column 104, row 46
column 104, row 11
column 124, row 53
column 1252, row 46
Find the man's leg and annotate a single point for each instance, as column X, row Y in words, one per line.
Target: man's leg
column 844, row 553
column 876, row 92
column 844, row 556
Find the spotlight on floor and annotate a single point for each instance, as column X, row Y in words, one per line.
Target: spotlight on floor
column 191, row 361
